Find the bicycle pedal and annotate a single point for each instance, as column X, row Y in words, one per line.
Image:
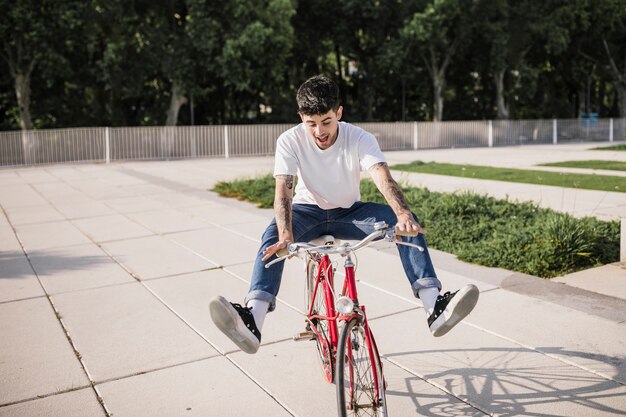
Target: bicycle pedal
column 308, row 335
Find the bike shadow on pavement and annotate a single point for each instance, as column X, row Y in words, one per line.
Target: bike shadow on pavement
column 510, row 382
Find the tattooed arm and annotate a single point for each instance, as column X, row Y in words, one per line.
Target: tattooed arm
column 282, row 212
column 390, row 189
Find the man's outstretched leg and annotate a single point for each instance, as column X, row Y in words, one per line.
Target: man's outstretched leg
column 243, row 324
column 444, row 311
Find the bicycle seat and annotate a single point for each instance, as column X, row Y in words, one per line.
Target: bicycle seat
column 326, row 240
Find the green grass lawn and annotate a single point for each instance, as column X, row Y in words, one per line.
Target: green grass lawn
column 592, row 164
column 559, row 179
column 611, row 148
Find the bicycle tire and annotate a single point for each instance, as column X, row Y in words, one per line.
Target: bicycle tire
column 322, row 339
column 356, row 391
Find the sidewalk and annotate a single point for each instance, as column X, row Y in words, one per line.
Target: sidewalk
column 106, row 272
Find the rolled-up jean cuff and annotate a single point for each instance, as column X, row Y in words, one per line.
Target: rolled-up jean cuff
column 425, row 283
column 263, row 296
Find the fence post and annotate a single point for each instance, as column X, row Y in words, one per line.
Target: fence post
column 622, row 241
column 611, row 130
column 554, row 132
column 490, row 135
column 107, row 145
column 415, row 143
column 226, row 150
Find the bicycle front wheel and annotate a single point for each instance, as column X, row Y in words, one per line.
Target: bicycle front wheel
column 359, row 374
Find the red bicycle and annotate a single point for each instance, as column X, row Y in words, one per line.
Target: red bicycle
column 338, row 324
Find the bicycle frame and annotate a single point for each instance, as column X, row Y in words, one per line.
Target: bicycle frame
column 325, row 279
column 334, row 352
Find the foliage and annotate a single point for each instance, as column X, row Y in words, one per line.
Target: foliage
column 257, row 190
column 117, row 63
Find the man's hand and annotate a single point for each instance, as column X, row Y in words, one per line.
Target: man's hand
column 406, row 223
column 271, row 250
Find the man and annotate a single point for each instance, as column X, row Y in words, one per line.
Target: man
column 328, row 156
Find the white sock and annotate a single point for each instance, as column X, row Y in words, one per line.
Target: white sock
column 259, row 310
column 428, row 297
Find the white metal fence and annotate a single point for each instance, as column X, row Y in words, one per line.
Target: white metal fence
column 105, row 144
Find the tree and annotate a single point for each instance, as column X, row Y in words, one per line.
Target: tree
column 436, row 34
column 36, row 34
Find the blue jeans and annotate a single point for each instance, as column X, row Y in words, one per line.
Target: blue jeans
column 310, row 222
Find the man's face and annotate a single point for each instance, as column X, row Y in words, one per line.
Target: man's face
column 323, row 128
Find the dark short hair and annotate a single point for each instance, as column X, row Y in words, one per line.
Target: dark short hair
column 318, row 95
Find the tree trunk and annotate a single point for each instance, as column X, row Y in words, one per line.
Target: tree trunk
column 176, row 102
column 503, row 109
column 619, row 76
column 22, row 92
column 439, row 84
column 437, row 72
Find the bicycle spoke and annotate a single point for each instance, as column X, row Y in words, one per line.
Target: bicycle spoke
column 356, row 388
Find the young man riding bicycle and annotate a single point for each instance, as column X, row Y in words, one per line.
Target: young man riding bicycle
column 328, row 156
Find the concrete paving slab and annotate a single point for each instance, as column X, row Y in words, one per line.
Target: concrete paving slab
column 8, row 240
column 156, row 256
column 20, row 195
column 168, row 221
column 254, row 230
column 77, row 268
column 73, row 172
column 144, row 189
column 134, row 204
column 33, row 214
column 80, row 403
column 495, row 375
column 86, row 208
column 35, row 356
column 96, row 189
column 591, row 303
column 115, row 177
column 109, row 228
column 608, row 280
column 409, row 395
column 42, row 236
column 179, row 200
column 59, row 192
column 290, row 372
column 217, row 244
column 224, row 214
column 296, row 378
column 122, row 330
column 34, row 175
column 591, row 342
column 213, row 387
column 17, row 279
column 189, row 296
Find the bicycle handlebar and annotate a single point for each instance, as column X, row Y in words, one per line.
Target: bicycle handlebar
column 382, row 231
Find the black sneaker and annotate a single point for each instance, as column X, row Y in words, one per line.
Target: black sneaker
column 237, row 323
column 451, row 308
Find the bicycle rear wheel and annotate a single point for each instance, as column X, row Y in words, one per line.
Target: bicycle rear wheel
column 360, row 381
column 322, row 339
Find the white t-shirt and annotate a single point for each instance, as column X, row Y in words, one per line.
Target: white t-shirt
column 329, row 178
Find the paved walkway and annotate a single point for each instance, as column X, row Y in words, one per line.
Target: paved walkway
column 106, row 272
